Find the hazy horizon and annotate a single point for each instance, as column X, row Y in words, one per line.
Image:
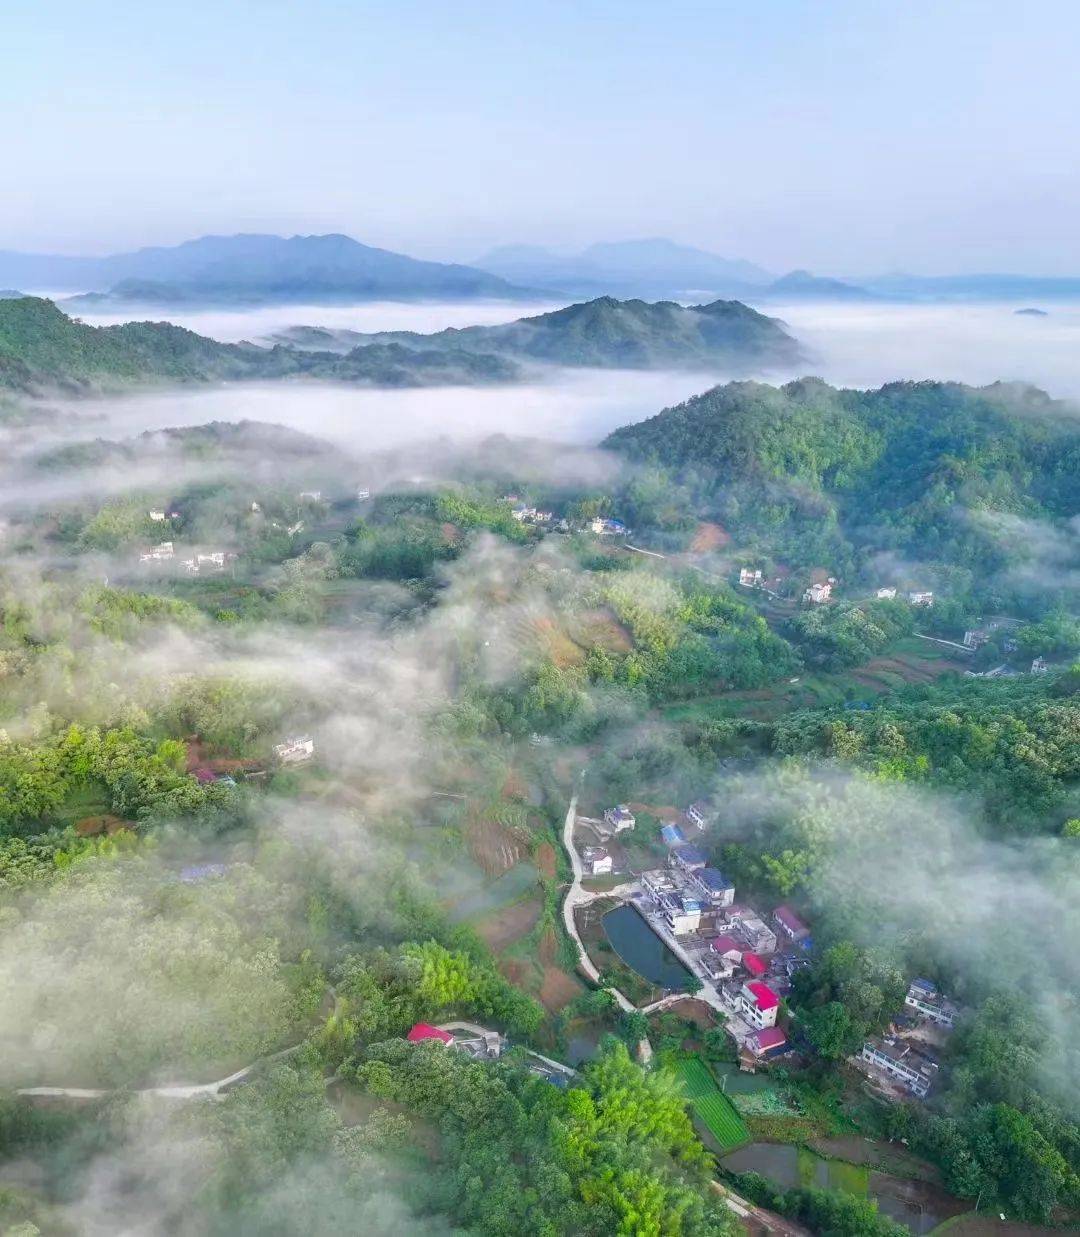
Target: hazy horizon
column 840, row 138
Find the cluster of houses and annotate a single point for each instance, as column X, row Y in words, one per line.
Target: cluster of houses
column 532, row 515
column 294, row 750
column 480, row 1044
column 918, row 597
column 903, row 1056
column 196, row 563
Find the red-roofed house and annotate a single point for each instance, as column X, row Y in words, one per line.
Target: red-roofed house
column 790, row 924
column 754, row 965
column 759, row 1003
column 424, row 1031
column 727, row 947
column 766, row 1042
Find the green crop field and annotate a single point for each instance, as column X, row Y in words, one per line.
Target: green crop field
column 711, row 1105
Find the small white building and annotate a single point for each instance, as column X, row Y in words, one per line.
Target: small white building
column 886, row 594
column 1039, row 666
column 817, row 593
column 295, row 750
column 699, row 814
column 160, row 553
column 899, row 1061
column 619, row 818
column 921, row 598
column 751, row 579
column 926, row 1000
column 157, row 515
column 363, row 494
column 596, row 861
column 311, row 496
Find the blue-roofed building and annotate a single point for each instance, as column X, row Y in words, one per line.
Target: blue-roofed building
column 715, row 887
column 672, row 835
column 689, row 858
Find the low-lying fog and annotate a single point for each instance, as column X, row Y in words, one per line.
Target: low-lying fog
column 849, row 345
column 233, row 325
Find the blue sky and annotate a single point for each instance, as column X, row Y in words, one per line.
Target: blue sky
column 842, row 136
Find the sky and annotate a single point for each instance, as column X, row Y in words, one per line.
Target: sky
column 845, row 136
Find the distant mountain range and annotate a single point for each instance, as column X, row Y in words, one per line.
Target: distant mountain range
column 253, row 269
column 639, row 268
column 605, row 333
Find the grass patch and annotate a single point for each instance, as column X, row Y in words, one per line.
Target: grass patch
column 710, row 1105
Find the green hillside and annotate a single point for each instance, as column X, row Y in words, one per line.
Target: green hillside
column 931, row 468
column 607, row 333
column 42, row 348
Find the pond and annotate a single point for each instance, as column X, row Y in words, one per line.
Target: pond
column 642, row 950
column 918, row 1205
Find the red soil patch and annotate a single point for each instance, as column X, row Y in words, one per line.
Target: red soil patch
column 558, row 989
column 92, row 826
column 549, row 947
column 693, row 1011
column 495, row 847
column 450, row 533
column 708, row 537
column 507, row 926
column 557, row 644
column 546, row 860
column 602, row 629
column 514, row 971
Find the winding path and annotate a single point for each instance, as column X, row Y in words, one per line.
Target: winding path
column 575, row 897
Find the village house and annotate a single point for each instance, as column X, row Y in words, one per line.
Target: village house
column 886, row 594
column 424, row 1032
column 747, row 924
column 1039, row 666
column 817, row 593
column 596, row 861
column 751, row 579
column 791, row 925
column 619, row 818
column 727, row 947
column 921, row 598
column 899, row 1061
column 699, row 814
column 294, row 750
column 608, row 528
column 714, row 886
column 678, row 907
column 926, row 1000
column 159, row 554
column 758, row 1004
column 672, row 835
column 311, row 496
column 363, row 494
column 768, row 1042
column 157, row 515
column 688, row 858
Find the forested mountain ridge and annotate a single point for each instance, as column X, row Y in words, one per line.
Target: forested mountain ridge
column 607, row 333
column 912, row 465
column 42, row 348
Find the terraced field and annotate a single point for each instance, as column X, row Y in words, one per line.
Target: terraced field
column 710, row 1104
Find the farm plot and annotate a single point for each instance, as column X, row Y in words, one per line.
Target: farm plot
column 710, row 1105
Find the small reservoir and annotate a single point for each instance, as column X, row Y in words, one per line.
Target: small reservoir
column 642, row 950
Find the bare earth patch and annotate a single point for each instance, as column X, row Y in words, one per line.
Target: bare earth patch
column 558, row 989
column 546, row 861
column 709, row 537
column 507, row 926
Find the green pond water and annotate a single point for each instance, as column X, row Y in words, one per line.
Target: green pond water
column 642, row 950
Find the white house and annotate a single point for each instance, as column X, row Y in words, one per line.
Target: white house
column 1039, row 666
column 311, row 496
column 750, row 579
column 817, row 593
column 759, row 1004
column 157, row 515
column 925, row 999
column 619, row 818
column 886, row 594
column 898, row 1060
column 699, row 814
column 363, row 494
column 921, row 598
column 295, row 750
column 596, row 860
column 161, row 552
